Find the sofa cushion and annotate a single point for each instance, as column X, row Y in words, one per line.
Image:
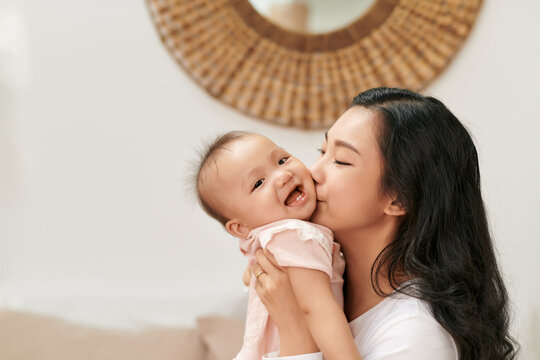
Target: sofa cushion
column 25, row 336
column 222, row 336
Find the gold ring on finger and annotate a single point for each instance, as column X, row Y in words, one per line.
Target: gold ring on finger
column 259, row 274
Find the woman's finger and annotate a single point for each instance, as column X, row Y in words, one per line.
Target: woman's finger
column 271, row 257
column 257, row 271
column 262, row 279
column 247, row 276
column 266, row 264
column 260, row 291
column 263, row 286
column 255, row 268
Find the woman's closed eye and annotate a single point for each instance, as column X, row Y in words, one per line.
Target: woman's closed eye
column 336, row 161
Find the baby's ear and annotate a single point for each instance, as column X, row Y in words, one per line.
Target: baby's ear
column 236, row 228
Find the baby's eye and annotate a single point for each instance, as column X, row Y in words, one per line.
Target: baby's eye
column 283, row 160
column 257, row 184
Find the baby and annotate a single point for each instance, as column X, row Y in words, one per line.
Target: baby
column 264, row 196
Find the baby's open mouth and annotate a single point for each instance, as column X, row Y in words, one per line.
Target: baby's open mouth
column 296, row 195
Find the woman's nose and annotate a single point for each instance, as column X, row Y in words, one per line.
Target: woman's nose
column 316, row 171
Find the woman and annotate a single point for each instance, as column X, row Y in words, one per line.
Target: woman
column 399, row 185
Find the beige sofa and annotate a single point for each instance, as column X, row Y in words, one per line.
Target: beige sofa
column 25, row 336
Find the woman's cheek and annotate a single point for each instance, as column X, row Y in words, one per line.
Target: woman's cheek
column 342, row 193
column 353, row 201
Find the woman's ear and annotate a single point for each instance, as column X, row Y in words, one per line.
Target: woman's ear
column 395, row 208
column 237, row 228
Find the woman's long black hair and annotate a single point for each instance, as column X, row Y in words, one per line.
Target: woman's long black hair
column 431, row 165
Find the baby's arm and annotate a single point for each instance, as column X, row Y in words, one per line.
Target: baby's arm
column 324, row 316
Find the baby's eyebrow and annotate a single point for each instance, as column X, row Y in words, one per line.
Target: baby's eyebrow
column 249, row 176
column 272, row 155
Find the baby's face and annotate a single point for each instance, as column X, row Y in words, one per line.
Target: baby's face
column 261, row 183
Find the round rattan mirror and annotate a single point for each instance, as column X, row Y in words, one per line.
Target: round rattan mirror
column 312, row 16
column 308, row 80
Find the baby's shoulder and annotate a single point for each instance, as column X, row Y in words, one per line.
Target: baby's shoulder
column 305, row 229
column 295, row 229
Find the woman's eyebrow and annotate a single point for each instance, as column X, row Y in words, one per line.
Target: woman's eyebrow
column 342, row 143
column 346, row 145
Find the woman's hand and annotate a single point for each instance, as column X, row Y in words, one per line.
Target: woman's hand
column 246, row 279
column 274, row 289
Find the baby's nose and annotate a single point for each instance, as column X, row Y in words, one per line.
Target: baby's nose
column 283, row 178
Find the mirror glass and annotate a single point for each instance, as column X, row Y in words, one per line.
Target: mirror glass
column 312, row 16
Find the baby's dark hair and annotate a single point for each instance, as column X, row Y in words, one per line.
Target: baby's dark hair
column 208, row 157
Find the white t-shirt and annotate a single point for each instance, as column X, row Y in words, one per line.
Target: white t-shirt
column 400, row 327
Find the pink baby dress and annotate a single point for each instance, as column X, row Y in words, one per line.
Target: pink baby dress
column 293, row 243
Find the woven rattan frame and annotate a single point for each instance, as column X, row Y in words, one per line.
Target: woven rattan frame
column 302, row 80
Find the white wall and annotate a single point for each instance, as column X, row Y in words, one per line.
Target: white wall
column 98, row 125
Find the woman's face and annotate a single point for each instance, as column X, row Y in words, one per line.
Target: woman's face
column 347, row 176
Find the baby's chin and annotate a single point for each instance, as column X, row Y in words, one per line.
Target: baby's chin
column 313, row 209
